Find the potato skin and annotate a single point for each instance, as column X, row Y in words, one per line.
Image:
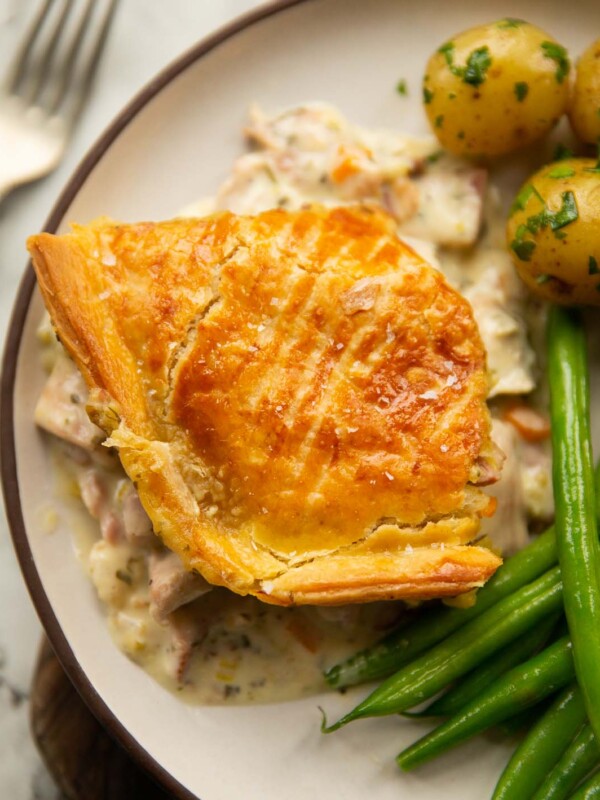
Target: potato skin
column 584, row 105
column 514, row 92
column 552, row 232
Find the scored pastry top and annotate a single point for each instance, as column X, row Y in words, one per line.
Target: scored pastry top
column 298, row 397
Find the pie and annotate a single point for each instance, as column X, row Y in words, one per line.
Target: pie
column 298, row 397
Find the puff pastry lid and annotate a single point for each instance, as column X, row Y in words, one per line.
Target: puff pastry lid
column 298, row 397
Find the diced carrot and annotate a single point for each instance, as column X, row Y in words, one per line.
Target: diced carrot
column 532, row 425
column 308, row 637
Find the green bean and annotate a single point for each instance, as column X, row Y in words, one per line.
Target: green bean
column 402, row 646
column 590, row 789
column 476, row 681
column 461, row 651
column 522, row 721
column 517, row 689
column 578, row 760
column 574, row 498
column 543, row 745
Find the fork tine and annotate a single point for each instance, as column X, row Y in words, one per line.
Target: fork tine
column 66, row 72
column 17, row 68
column 89, row 70
column 42, row 69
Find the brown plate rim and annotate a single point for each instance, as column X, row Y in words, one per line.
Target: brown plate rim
column 8, row 455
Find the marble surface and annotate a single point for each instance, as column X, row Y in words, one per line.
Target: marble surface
column 145, row 36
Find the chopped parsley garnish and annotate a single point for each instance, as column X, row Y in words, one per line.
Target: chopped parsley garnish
column 435, row 157
column 477, row 65
column 561, row 152
column 593, row 268
column 522, row 198
column 452, row 96
column 439, row 120
column 566, row 214
column 511, row 22
column 562, row 171
column 447, row 50
column 460, row 135
column 559, row 55
column 402, row 88
column 523, row 249
column 427, row 95
column 545, row 218
column 521, row 90
column 542, row 278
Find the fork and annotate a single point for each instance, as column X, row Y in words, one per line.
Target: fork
column 47, row 85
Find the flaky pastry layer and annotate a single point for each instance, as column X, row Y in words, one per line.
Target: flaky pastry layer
column 298, row 397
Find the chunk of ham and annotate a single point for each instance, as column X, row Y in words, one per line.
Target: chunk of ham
column 171, row 585
column 188, row 628
column 524, row 489
column 95, row 496
column 136, row 523
column 60, row 409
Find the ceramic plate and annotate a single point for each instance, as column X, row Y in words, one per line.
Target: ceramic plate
column 175, row 143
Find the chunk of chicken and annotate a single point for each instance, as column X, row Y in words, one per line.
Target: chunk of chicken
column 312, row 154
column 497, row 302
column 524, row 490
column 171, row 585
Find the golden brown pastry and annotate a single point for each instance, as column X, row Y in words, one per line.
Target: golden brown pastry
column 298, row 397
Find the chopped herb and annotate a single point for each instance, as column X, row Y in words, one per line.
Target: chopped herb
column 560, row 234
column 452, row 96
column 542, row 279
column 447, row 50
column 566, row 214
column 521, row 90
column 439, row 120
column 478, row 63
column 460, row 135
column 561, row 152
column 510, row 22
column 523, row 249
column 522, row 198
column 562, row 171
column 402, row 88
column 123, row 576
column 593, row 268
column 559, row 55
column 427, row 95
column 555, row 220
column 435, row 157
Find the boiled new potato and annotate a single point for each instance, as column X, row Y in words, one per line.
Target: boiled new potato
column 496, row 88
column 584, row 107
column 552, row 232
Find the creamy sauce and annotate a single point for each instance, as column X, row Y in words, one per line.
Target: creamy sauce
column 221, row 648
column 243, row 651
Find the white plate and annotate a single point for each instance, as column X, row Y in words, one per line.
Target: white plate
column 174, row 144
